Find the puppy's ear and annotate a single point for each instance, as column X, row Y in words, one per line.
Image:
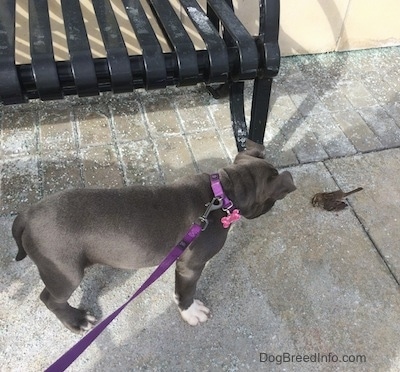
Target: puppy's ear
column 254, row 149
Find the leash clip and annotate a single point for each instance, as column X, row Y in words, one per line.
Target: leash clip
column 214, row 204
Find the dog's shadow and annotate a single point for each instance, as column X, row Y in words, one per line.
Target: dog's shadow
column 97, row 282
column 158, row 338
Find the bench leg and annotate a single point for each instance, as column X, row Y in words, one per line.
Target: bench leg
column 259, row 109
column 237, row 114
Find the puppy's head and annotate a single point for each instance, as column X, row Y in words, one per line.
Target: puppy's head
column 253, row 184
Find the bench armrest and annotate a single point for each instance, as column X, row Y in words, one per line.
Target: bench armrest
column 268, row 37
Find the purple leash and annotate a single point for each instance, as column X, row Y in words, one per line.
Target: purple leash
column 219, row 201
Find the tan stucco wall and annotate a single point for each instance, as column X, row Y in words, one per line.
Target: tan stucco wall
column 307, row 26
column 315, row 26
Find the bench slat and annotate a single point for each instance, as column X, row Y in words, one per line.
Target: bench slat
column 10, row 90
column 180, row 42
column 41, row 49
column 117, row 55
column 79, row 50
column 247, row 64
column 154, row 64
column 216, row 48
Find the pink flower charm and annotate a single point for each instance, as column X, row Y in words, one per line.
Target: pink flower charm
column 230, row 218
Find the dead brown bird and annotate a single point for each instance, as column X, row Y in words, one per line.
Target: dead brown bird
column 332, row 201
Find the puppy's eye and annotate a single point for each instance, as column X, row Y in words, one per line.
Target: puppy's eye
column 274, row 173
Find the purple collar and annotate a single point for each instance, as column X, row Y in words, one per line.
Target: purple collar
column 233, row 214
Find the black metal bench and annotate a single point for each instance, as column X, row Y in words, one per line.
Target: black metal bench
column 230, row 57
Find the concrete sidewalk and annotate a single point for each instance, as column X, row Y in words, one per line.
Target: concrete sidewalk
column 296, row 282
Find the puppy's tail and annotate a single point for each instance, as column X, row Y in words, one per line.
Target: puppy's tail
column 17, row 230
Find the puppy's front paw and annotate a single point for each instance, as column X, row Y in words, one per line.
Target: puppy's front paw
column 196, row 313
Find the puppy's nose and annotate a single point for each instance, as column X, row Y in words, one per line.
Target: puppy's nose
column 288, row 181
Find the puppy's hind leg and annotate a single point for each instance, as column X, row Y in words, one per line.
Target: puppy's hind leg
column 55, row 296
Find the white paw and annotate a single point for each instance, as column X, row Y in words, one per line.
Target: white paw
column 196, row 313
column 91, row 321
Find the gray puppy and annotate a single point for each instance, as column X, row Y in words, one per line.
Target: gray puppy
column 136, row 226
